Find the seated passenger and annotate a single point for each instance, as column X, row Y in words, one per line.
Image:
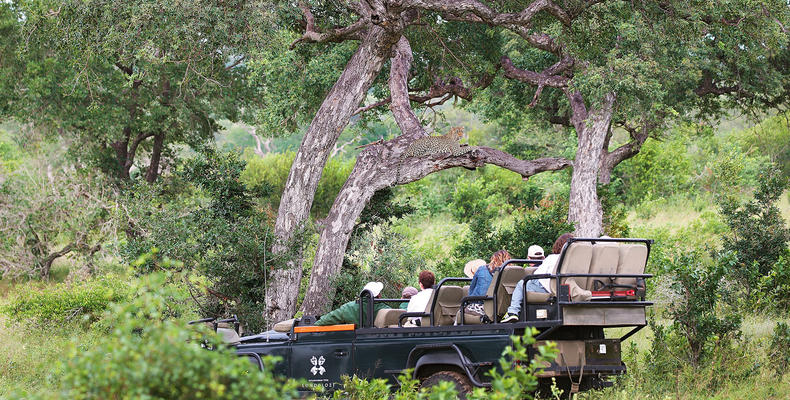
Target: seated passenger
column 549, row 266
column 419, row 301
column 482, row 279
column 349, row 313
column 407, row 293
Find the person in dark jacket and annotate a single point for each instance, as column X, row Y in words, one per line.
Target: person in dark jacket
column 349, row 313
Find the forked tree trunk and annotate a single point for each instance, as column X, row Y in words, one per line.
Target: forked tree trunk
column 584, row 205
column 381, row 166
column 330, row 120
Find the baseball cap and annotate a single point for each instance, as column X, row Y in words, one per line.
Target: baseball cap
column 374, row 287
column 535, row 251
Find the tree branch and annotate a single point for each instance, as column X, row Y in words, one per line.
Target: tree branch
column 475, row 11
column 313, row 35
column 408, row 123
column 548, row 77
column 444, row 90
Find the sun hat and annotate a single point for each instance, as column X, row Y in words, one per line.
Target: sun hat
column 374, row 287
column 471, row 267
column 535, row 251
column 409, row 291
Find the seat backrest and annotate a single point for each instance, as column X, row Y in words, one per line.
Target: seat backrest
column 576, row 261
column 466, row 290
column 605, row 257
column 511, row 274
column 633, row 258
column 448, row 302
column 388, row 317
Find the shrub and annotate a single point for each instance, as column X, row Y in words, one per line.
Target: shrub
column 150, row 356
column 541, row 226
column 779, row 350
column 377, row 255
column 516, row 381
column 774, row 288
column 699, row 316
column 759, row 234
column 214, row 228
column 64, row 303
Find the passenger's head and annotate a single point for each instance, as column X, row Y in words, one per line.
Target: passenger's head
column 535, row 252
column 408, row 291
column 560, row 243
column 498, row 258
column 427, row 279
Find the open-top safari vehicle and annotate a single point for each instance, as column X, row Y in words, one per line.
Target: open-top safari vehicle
column 599, row 284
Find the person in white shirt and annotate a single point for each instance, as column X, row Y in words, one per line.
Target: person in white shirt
column 419, row 301
column 549, row 266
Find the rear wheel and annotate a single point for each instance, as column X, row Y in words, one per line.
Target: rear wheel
column 461, row 381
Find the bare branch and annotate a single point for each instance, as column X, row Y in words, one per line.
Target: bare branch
column 548, row 77
column 312, row 35
column 475, row 11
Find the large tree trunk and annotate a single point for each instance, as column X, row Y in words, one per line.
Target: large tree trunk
column 330, row 120
column 339, row 224
column 584, row 207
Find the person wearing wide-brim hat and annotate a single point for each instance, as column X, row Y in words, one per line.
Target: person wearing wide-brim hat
column 349, row 313
column 471, row 267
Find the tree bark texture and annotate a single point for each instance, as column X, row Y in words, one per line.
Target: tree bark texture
column 584, row 206
column 156, row 155
column 382, row 166
column 327, row 125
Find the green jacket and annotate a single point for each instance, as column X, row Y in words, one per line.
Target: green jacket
column 347, row 314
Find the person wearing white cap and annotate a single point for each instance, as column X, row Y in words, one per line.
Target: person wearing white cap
column 535, row 252
column 548, row 266
column 349, row 313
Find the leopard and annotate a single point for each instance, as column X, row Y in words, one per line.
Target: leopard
column 448, row 145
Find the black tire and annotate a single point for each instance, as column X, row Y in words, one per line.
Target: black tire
column 462, row 383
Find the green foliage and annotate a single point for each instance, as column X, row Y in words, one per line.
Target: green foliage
column 759, row 235
column 48, row 211
column 377, row 254
column 217, row 231
column 779, row 349
column 150, row 356
column 111, row 76
column 539, row 226
column 493, row 192
column 514, row 379
column 66, row 302
column 273, row 169
column 517, row 378
column 700, row 319
column 773, row 290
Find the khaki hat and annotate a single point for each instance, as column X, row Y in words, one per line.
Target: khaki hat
column 471, row 267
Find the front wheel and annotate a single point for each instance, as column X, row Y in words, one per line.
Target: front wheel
column 461, row 381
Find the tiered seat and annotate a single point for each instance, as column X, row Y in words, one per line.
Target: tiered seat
column 511, row 275
column 445, row 307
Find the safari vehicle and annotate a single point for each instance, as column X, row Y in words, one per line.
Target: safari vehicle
column 599, row 284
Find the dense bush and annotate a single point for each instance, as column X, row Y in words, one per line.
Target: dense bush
column 149, row 356
column 699, row 317
column 377, row 255
column 758, row 233
column 779, row 349
column 273, row 170
column 212, row 224
column 64, row 303
column 540, row 226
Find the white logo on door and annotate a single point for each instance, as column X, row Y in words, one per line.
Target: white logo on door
column 318, row 365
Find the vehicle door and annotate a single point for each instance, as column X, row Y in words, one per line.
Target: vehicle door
column 322, row 358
